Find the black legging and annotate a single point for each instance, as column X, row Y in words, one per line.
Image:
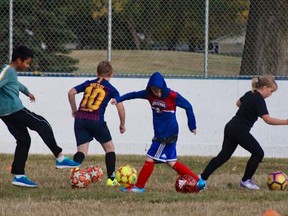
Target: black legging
column 235, row 134
column 17, row 124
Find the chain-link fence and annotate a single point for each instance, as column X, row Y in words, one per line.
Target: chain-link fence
column 179, row 38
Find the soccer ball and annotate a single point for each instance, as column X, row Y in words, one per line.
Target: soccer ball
column 79, row 178
column 277, row 181
column 95, row 172
column 126, row 175
column 186, row 184
column 270, row 212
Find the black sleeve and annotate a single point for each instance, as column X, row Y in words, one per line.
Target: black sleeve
column 261, row 107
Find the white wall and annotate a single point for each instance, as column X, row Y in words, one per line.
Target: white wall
column 213, row 102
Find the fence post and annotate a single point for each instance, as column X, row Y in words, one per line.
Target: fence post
column 109, row 48
column 10, row 30
column 206, row 38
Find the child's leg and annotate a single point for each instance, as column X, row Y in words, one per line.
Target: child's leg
column 110, row 159
column 42, row 127
column 181, row 169
column 81, row 153
column 23, row 141
column 257, row 154
column 251, row 168
column 228, row 148
column 145, row 173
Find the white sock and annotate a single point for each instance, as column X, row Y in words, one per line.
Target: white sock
column 19, row 176
column 61, row 158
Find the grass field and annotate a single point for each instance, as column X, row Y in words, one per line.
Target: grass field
column 168, row 62
column 223, row 197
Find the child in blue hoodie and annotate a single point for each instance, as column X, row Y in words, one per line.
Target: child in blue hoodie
column 163, row 102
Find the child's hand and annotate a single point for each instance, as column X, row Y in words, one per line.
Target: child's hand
column 122, row 129
column 194, row 132
column 32, row 98
column 113, row 101
column 74, row 113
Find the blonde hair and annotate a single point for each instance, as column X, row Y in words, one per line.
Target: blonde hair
column 104, row 69
column 265, row 80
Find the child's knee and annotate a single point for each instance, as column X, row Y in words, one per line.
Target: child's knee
column 25, row 141
column 259, row 156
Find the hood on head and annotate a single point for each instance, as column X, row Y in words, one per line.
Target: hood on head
column 157, row 80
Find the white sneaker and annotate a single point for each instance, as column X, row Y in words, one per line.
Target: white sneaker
column 249, row 184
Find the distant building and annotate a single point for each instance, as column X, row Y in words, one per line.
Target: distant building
column 71, row 46
column 230, row 45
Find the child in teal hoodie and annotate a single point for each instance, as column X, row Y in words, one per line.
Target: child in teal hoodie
column 18, row 119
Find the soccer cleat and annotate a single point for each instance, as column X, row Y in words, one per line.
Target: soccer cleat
column 201, row 184
column 249, row 184
column 23, row 181
column 67, row 163
column 112, row 183
column 134, row 189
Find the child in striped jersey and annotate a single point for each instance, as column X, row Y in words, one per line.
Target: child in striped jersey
column 89, row 117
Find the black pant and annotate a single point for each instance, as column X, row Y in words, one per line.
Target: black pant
column 17, row 123
column 234, row 134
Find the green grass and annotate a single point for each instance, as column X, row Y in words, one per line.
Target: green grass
column 54, row 196
column 168, row 62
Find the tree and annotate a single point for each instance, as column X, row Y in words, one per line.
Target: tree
column 138, row 24
column 41, row 25
column 123, row 28
column 174, row 22
column 91, row 32
column 266, row 42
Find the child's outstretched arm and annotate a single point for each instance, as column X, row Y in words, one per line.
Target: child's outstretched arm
column 274, row 121
column 128, row 96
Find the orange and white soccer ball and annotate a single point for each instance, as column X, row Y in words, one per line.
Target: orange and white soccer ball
column 95, row 172
column 126, row 175
column 79, row 178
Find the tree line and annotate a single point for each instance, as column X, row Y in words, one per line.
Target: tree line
column 47, row 26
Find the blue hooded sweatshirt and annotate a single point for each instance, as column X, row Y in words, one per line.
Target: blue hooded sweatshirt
column 164, row 109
